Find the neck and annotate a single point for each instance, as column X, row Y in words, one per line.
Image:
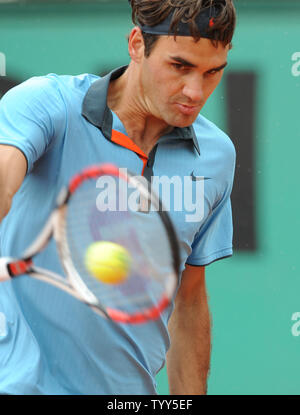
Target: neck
column 125, row 97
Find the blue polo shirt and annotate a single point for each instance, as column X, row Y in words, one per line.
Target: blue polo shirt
column 50, row 343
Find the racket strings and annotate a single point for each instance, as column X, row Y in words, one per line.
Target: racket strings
column 141, row 233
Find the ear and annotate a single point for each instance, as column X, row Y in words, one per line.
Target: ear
column 136, row 45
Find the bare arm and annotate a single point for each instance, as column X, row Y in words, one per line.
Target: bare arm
column 13, row 167
column 188, row 359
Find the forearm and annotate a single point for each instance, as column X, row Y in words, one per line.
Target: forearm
column 188, row 359
column 13, row 167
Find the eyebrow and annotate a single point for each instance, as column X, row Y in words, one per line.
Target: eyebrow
column 191, row 65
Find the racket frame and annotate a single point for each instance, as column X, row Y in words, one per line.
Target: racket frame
column 73, row 284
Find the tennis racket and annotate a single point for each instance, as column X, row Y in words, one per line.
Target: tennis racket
column 105, row 203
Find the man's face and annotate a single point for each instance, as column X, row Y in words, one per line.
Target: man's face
column 179, row 76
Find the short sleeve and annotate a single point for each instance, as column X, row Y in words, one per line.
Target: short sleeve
column 213, row 241
column 31, row 114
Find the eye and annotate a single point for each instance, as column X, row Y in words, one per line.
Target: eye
column 213, row 72
column 216, row 71
column 179, row 66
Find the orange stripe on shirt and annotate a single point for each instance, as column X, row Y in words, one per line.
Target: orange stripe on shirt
column 124, row 141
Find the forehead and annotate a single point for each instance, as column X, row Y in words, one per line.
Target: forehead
column 196, row 52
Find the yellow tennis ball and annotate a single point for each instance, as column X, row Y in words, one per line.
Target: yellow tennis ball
column 109, row 262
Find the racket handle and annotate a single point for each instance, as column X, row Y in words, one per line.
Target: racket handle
column 4, row 274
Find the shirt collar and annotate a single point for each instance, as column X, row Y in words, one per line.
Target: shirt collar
column 96, row 111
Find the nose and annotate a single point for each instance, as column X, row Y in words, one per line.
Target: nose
column 193, row 90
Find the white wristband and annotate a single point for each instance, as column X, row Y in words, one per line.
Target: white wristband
column 4, row 274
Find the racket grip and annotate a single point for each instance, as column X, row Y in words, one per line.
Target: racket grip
column 4, row 274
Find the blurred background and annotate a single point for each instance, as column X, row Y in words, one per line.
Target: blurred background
column 255, row 295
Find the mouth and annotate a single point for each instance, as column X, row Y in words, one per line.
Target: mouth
column 188, row 109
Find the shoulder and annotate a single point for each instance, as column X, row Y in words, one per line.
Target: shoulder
column 70, row 83
column 217, row 152
column 207, row 130
column 214, row 143
column 51, row 87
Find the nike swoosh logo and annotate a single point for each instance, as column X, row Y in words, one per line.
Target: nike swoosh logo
column 197, row 178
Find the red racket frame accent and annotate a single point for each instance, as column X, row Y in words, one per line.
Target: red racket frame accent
column 139, row 317
column 93, row 172
column 20, row 267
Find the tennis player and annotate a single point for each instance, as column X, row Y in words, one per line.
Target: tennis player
column 144, row 117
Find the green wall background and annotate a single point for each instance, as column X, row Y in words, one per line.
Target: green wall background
column 252, row 296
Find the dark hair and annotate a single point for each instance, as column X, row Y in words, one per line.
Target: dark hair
column 153, row 12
